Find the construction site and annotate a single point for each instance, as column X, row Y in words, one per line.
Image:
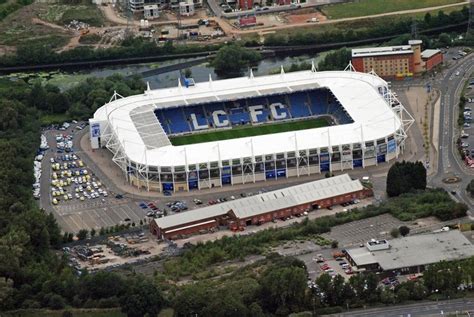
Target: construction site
column 103, row 24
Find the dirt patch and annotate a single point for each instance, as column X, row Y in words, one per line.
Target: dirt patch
column 305, row 17
column 21, row 27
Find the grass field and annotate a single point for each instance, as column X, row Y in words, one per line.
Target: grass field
column 246, row 131
column 370, row 7
column 63, row 14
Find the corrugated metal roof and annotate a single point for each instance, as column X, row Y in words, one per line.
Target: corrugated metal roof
column 267, row 202
column 417, row 250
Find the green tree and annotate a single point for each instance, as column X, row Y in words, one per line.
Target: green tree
column 402, row 294
column 283, row 287
column 405, row 176
column 188, row 73
column 470, row 188
column 395, row 232
column 231, row 59
column 93, row 232
column 387, row 296
column 336, row 60
column 444, row 39
column 404, row 230
column 56, row 302
column 82, row 234
column 141, row 298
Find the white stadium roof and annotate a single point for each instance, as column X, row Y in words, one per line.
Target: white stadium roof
column 144, row 141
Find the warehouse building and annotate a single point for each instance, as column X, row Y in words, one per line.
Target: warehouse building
column 262, row 208
column 410, row 254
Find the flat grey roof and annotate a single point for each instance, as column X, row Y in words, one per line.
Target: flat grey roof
column 381, row 51
column 429, row 53
column 267, row 202
column 417, row 250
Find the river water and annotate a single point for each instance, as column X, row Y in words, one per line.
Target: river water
column 200, row 73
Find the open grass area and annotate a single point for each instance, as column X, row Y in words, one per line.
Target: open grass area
column 62, row 14
column 370, row 7
column 246, row 131
column 18, row 28
column 360, row 25
column 54, row 118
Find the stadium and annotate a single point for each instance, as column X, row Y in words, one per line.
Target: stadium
column 249, row 129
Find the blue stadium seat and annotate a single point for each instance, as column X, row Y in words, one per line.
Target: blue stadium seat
column 299, row 105
column 198, row 112
column 318, row 102
column 164, row 123
column 176, row 121
column 238, row 116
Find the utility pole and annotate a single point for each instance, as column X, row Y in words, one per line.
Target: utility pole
column 414, row 30
column 470, row 23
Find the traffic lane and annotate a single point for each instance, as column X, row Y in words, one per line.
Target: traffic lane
column 414, row 310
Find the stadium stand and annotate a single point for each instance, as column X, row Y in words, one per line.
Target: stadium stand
column 199, row 112
column 299, row 105
column 296, row 105
column 318, row 102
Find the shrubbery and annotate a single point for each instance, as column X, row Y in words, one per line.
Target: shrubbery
column 404, row 177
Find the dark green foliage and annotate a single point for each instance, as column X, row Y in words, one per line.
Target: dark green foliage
column 404, row 230
column 404, row 177
column 367, row 29
column 336, row 60
column 35, row 53
column 141, row 298
column 470, row 188
column 231, row 60
column 82, row 234
column 394, row 233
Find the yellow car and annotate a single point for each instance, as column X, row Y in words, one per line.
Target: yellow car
column 55, row 201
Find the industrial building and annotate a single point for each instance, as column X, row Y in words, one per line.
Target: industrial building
column 410, row 254
column 262, row 208
column 396, row 61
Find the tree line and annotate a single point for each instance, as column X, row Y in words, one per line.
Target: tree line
column 37, row 53
column 368, row 28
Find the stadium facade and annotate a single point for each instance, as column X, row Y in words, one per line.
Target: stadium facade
column 367, row 126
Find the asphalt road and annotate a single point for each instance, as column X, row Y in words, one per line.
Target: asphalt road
column 440, row 308
column 449, row 162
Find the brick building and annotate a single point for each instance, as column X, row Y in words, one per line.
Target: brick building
column 431, row 58
column 396, row 61
column 258, row 209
